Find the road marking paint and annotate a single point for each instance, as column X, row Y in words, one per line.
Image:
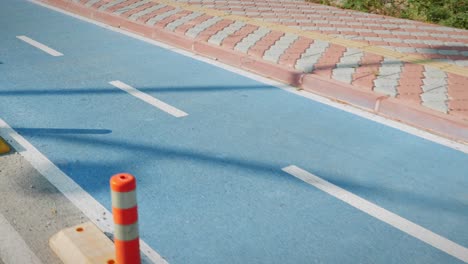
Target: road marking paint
column 314, row 97
column 149, row 99
column 13, row 249
column 40, row 46
column 382, row 214
column 80, row 198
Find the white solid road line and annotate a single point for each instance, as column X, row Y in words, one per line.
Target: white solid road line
column 13, row 249
column 40, row 46
column 80, row 198
column 382, row 214
column 149, row 99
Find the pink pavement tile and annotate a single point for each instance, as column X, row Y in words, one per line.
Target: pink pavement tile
column 463, row 114
column 163, row 23
column 457, row 79
column 460, row 105
column 210, row 31
column 190, row 24
column 147, row 17
column 99, row 4
column 138, row 9
column 367, row 72
column 458, row 94
column 410, row 83
column 294, row 52
column 265, row 43
column 233, row 39
column 123, row 4
column 328, row 61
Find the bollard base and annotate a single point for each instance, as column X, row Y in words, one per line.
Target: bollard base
column 83, row 243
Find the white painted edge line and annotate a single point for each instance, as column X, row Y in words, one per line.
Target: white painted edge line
column 382, row 214
column 13, row 249
column 40, row 46
column 149, row 99
column 97, row 213
column 347, row 108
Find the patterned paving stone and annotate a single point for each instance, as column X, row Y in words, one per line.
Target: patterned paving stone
column 120, row 5
column 346, row 68
column 162, row 16
column 434, row 89
column 251, row 39
column 193, row 32
column 274, row 53
column 311, row 56
column 410, row 82
column 182, row 29
column 146, row 11
column 265, row 43
column 135, row 10
column 368, row 71
column 213, row 29
column 328, row 60
column 290, row 57
column 131, row 7
column 388, row 77
column 91, row 3
column 218, row 38
column 233, row 39
column 365, row 69
column 173, row 25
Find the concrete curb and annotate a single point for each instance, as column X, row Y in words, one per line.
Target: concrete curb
column 435, row 122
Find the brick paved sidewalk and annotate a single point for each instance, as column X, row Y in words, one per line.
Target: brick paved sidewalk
column 422, row 66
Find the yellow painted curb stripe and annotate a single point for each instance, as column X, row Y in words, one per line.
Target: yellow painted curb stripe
column 446, row 67
column 4, row 148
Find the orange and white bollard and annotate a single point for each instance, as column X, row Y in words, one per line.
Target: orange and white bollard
column 124, row 209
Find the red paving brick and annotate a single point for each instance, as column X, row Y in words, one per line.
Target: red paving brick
column 210, row 31
column 183, row 28
column 294, row 52
column 366, row 74
column 410, row 82
column 123, row 4
column 163, row 23
column 328, row 61
column 302, row 14
column 265, row 43
column 147, row 17
column 138, row 9
column 232, row 40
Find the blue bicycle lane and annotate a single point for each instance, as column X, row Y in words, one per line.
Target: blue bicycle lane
column 210, row 184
